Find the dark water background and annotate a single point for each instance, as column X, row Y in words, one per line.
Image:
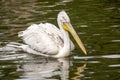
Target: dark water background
column 96, row 21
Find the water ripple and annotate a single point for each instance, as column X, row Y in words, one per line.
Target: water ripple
column 91, row 57
column 12, row 57
column 115, row 41
column 114, row 65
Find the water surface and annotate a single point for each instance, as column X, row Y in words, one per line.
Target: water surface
column 97, row 23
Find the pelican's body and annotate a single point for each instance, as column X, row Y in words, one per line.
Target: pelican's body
column 48, row 40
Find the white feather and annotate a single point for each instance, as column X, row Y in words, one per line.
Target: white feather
column 43, row 39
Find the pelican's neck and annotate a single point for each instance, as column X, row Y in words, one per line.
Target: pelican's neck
column 66, row 39
column 65, row 51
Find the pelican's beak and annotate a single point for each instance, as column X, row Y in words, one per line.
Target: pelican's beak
column 68, row 27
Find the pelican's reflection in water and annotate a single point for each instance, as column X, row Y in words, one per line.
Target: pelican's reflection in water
column 45, row 69
column 79, row 71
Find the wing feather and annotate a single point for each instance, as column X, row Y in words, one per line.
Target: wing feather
column 45, row 38
column 53, row 30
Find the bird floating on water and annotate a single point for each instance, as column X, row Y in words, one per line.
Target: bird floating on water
column 47, row 40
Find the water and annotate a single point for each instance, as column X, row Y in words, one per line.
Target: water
column 96, row 21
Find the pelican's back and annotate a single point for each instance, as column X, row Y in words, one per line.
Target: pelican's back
column 43, row 38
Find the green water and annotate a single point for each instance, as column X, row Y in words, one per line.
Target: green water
column 97, row 23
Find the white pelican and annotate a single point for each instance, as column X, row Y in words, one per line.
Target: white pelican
column 48, row 40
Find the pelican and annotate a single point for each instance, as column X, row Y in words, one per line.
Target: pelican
column 47, row 40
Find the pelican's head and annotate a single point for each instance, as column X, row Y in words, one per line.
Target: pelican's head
column 64, row 24
column 62, row 17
